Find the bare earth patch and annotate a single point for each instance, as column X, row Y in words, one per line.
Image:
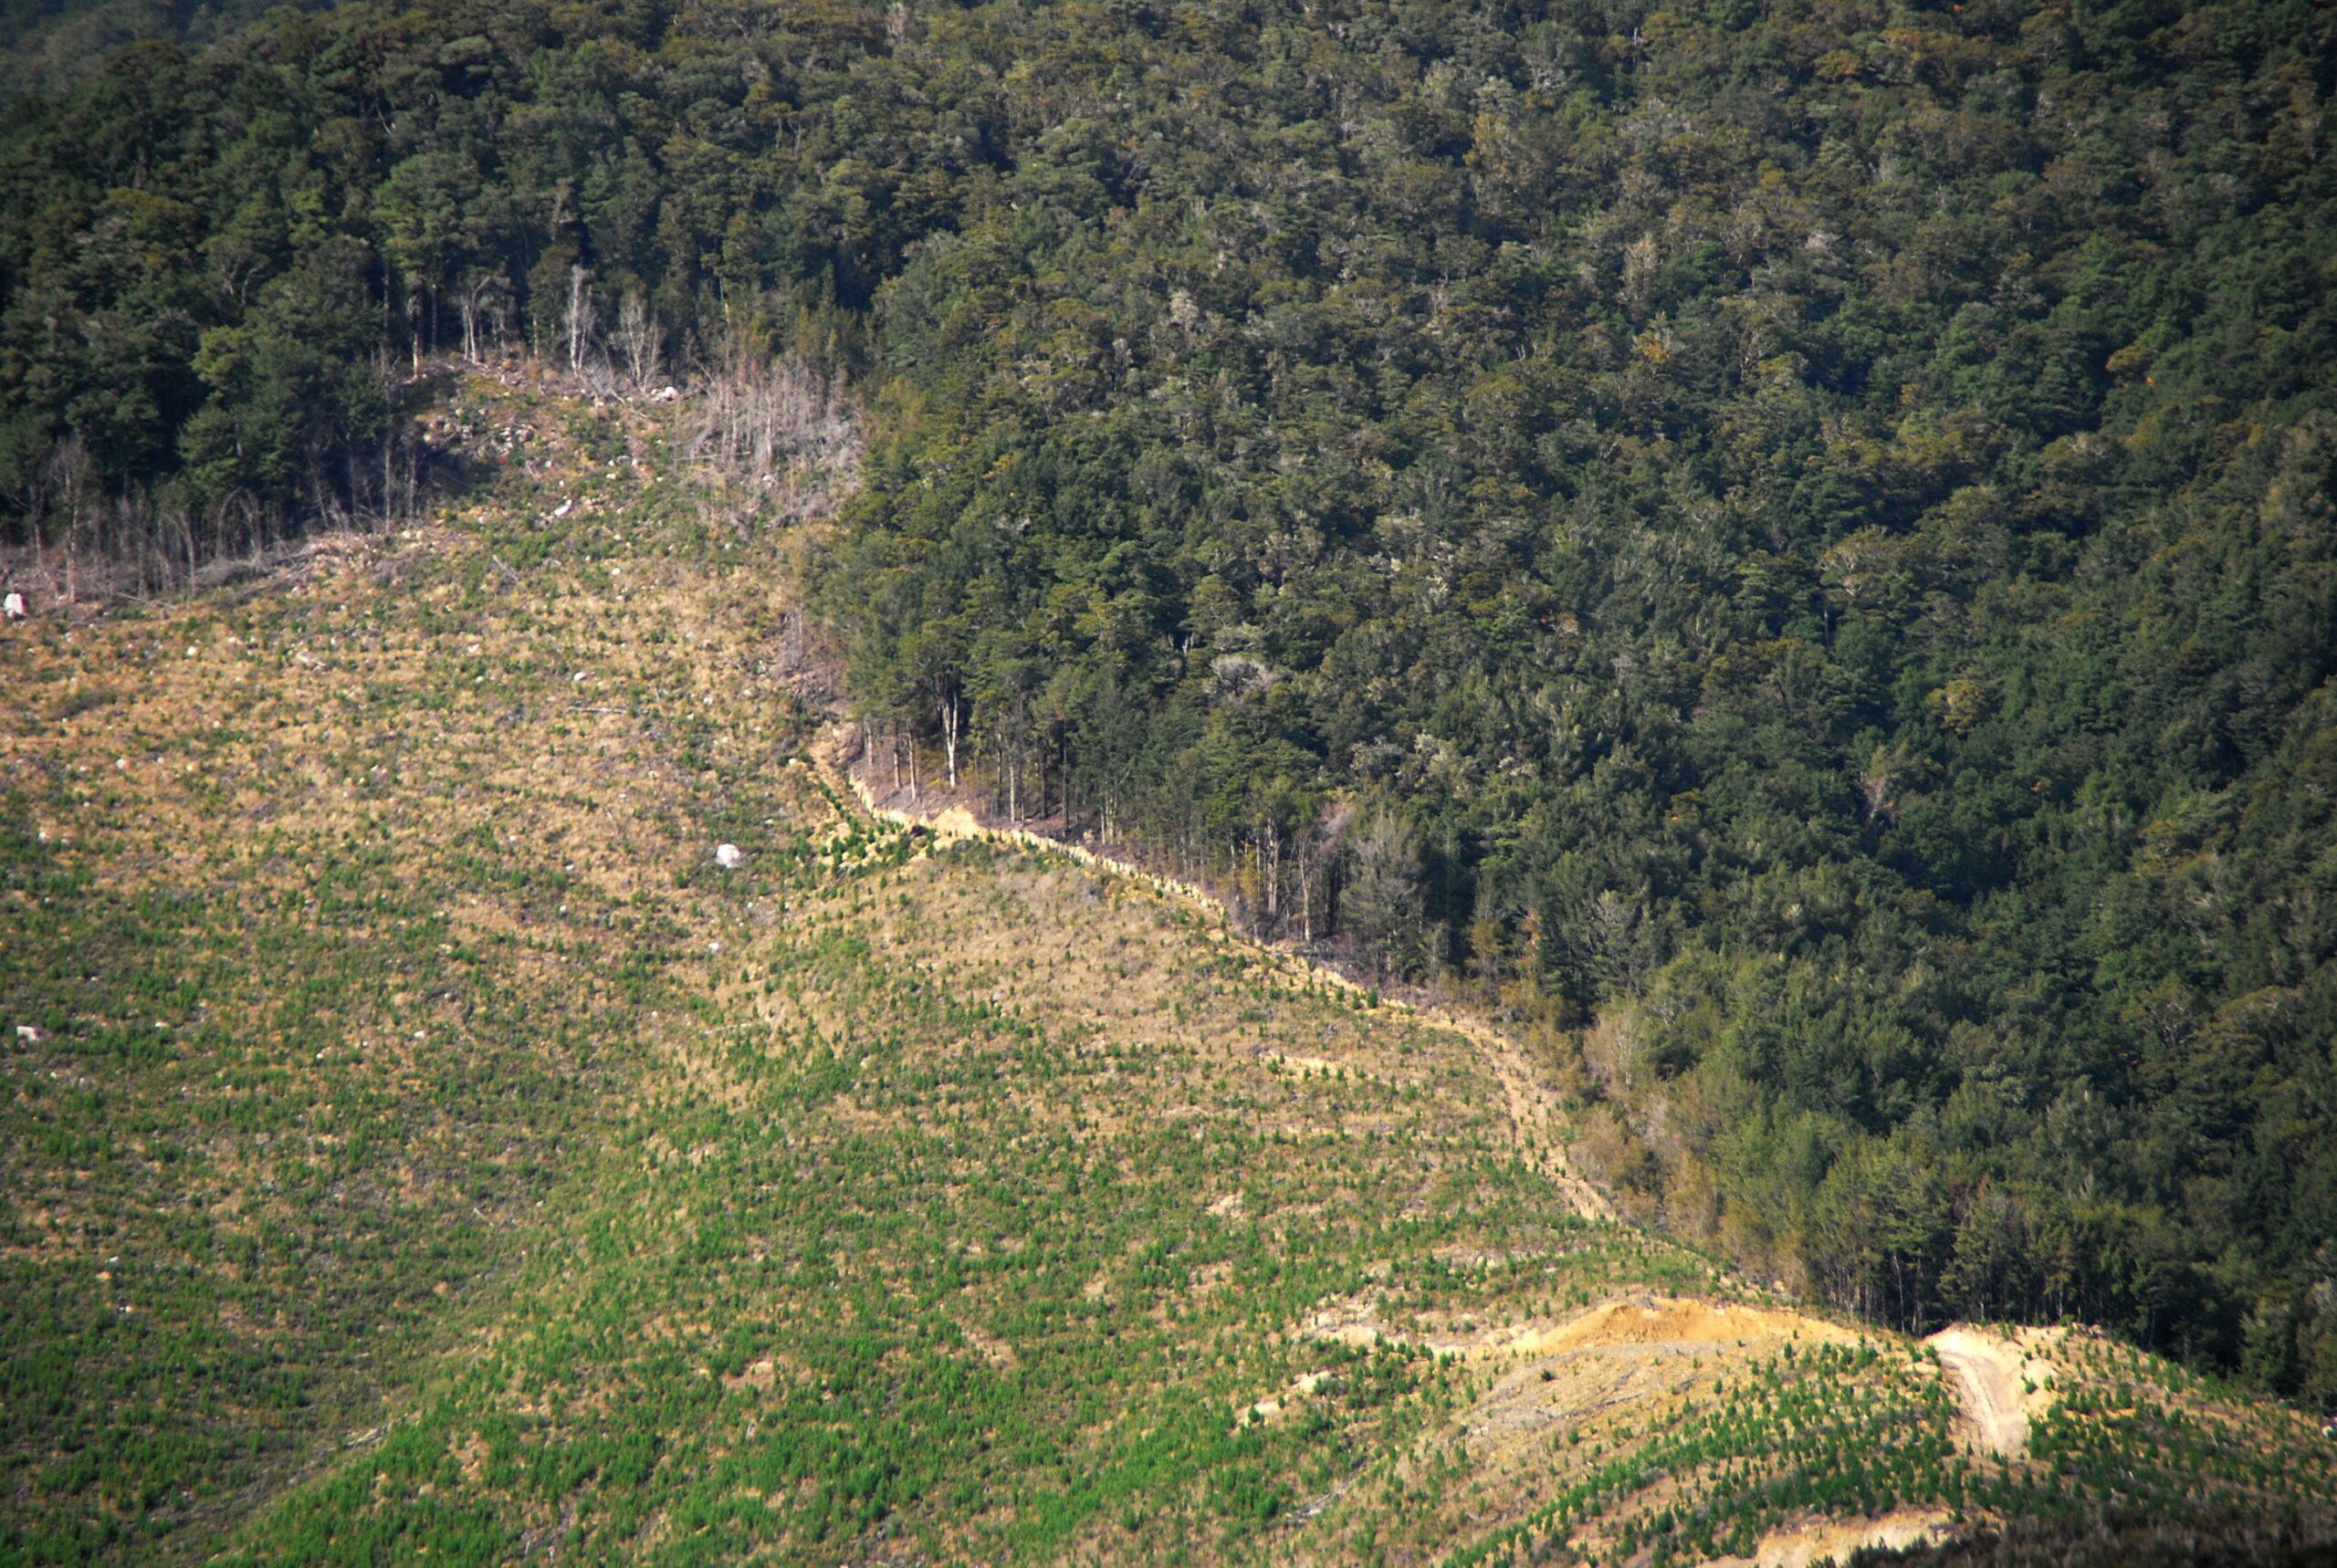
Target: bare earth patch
column 1832, row 1540
column 1677, row 1322
column 1999, row 1383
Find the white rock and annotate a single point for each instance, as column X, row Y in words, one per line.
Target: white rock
column 728, row 856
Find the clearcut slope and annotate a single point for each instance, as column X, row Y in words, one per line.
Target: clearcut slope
column 505, row 1179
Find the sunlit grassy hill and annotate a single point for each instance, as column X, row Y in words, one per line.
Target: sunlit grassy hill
column 420, row 1149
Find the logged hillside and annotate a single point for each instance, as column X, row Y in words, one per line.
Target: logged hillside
column 1785, row 545
column 419, row 1147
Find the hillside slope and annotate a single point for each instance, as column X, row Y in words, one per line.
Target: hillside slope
column 417, row 1143
column 1792, row 535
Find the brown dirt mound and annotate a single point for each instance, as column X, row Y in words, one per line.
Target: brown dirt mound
column 1673, row 1322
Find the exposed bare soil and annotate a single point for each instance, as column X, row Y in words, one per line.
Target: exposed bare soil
column 1819, row 1540
column 1999, row 1382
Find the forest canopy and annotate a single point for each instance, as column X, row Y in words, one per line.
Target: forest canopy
column 1787, row 543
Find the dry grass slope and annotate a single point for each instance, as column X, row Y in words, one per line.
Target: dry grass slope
column 417, row 1148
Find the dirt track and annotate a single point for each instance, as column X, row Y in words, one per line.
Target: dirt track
column 1532, row 1131
column 1987, row 1373
column 1674, row 1321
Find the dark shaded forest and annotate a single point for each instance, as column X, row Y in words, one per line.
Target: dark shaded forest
column 1788, row 547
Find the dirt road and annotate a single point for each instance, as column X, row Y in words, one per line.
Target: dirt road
column 1533, row 1119
column 1985, row 1374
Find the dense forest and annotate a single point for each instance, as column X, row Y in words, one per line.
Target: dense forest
column 1786, row 546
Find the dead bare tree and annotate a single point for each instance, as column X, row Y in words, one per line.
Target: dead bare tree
column 637, row 339
column 582, row 320
column 485, row 301
column 769, row 434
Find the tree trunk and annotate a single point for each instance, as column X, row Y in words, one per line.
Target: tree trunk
column 1306, row 895
column 1274, row 872
column 579, row 318
column 950, row 735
